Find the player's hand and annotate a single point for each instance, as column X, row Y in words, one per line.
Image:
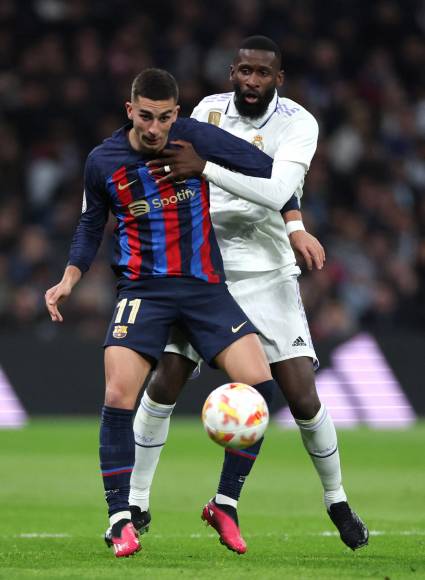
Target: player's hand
column 177, row 164
column 53, row 297
column 309, row 247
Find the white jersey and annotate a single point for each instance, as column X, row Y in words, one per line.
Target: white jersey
column 251, row 237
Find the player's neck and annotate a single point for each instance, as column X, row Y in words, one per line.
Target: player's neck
column 134, row 142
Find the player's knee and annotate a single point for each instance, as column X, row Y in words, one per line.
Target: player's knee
column 116, row 395
column 169, row 378
column 251, row 374
column 160, row 391
column 305, row 406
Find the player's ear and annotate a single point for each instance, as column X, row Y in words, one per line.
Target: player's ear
column 280, row 78
column 232, row 72
column 176, row 112
column 129, row 109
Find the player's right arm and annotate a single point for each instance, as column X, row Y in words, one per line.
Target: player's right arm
column 297, row 147
column 86, row 240
column 291, row 163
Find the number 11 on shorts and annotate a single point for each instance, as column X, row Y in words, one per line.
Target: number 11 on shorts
column 134, row 309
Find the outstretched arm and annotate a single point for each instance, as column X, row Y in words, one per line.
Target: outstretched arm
column 94, row 215
column 85, row 242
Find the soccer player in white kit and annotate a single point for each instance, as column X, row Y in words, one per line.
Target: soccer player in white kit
column 262, row 273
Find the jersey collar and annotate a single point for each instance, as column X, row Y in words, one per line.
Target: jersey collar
column 232, row 112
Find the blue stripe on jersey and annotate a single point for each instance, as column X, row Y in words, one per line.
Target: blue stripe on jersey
column 145, row 232
column 197, row 232
column 158, row 243
column 157, row 226
column 185, row 241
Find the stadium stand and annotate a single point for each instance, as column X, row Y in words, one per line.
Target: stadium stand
column 359, row 67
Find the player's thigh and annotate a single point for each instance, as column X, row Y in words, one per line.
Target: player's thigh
column 141, row 322
column 273, row 302
column 245, row 361
column 135, row 340
column 214, row 320
column 125, row 372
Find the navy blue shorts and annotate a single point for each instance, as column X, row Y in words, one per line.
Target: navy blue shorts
column 147, row 309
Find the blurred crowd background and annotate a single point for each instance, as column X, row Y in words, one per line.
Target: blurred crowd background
column 358, row 66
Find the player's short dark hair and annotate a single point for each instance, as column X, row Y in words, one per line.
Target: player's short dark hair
column 155, row 84
column 259, row 42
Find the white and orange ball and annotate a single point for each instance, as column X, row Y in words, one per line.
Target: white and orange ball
column 235, row 415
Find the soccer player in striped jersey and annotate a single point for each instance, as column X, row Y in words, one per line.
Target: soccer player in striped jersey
column 169, row 271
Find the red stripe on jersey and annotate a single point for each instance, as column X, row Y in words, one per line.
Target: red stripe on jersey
column 124, row 194
column 207, row 265
column 172, row 229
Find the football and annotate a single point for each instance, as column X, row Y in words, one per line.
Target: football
column 235, row 415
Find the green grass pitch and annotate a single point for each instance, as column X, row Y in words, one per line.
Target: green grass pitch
column 53, row 514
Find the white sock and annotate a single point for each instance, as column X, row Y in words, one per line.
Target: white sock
column 320, row 440
column 225, row 500
column 114, row 518
column 151, row 426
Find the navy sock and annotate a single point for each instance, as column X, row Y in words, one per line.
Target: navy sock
column 239, row 462
column 116, row 453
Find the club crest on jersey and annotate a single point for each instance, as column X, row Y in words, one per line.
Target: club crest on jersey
column 119, row 331
column 139, row 207
column 258, row 142
column 214, row 117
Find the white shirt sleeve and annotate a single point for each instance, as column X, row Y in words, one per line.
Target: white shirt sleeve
column 300, row 141
column 271, row 192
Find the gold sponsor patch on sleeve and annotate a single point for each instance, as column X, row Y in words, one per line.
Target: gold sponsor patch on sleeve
column 214, row 117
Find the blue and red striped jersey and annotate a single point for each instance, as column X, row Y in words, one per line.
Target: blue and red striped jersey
column 161, row 230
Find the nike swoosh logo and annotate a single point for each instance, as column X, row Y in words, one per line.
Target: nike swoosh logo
column 236, row 329
column 122, row 186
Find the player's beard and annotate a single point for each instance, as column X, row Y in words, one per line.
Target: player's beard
column 252, row 110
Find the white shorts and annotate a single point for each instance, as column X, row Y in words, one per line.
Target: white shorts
column 272, row 302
